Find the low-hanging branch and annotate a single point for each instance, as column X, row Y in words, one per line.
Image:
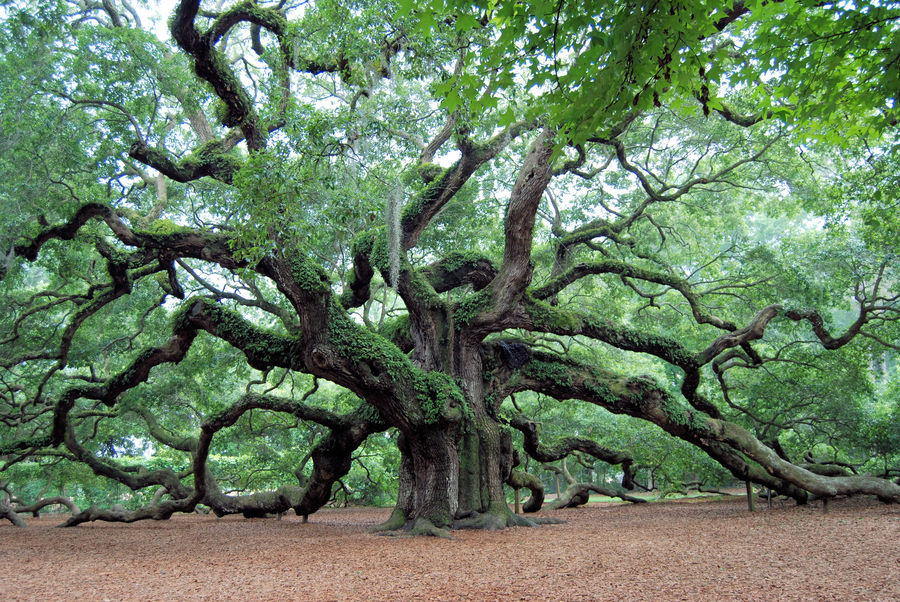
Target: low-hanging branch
column 543, row 452
column 331, row 456
column 577, row 494
column 724, row 441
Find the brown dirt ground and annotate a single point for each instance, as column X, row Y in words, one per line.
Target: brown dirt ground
column 712, row 550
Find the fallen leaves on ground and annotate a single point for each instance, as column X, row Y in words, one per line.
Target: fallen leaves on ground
column 661, row 551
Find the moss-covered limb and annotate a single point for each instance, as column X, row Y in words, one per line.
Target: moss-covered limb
column 459, row 269
column 689, row 390
column 427, row 309
column 820, row 485
column 494, row 307
column 212, row 65
column 542, row 317
column 247, row 12
column 634, row 396
column 215, row 159
column 128, row 476
column 420, row 211
column 621, row 268
column 724, row 441
column 263, row 349
column 331, row 456
column 518, row 480
column 826, row 470
column 27, row 446
column 306, row 286
column 591, row 231
column 543, row 452
column 158, row 242
column 377, row 370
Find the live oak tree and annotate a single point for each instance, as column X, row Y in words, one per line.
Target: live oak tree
column 426, row 211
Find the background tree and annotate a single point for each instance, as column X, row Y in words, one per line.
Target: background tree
column 363, row 217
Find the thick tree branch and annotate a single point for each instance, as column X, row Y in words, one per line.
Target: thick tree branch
column 419, row 213
column 213, row 159
column 212, row 66
column 723, row 441
column 543, row 452
column 534, row 175
column 621, row 268
column 457, row 269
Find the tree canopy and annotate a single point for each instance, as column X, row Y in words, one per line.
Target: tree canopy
column 259, row 253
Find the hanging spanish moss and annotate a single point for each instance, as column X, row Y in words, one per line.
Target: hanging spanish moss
column 393, row 206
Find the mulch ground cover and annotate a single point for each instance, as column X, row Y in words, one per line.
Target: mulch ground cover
column 677, row 550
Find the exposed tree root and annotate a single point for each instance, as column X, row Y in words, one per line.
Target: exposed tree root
column 497, row 517
column 391, row 526
column 423, row 526
column 547, row 520
column 397, row 526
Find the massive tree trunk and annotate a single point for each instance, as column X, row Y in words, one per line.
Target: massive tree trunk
column 455, row 460
column 453, row 478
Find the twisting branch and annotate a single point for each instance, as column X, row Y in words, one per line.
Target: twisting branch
column 211, row 65
column 724, row 441
column 422, row 210
column 534, row 175
column 623, row 269
column 543, row 452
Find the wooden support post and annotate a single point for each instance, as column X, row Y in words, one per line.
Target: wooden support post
column 751, row 503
